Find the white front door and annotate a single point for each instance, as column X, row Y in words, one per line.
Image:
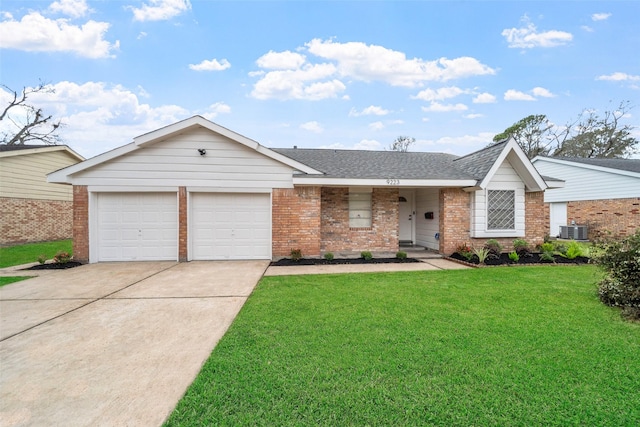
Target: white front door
column 406, row 217
column 557, row 217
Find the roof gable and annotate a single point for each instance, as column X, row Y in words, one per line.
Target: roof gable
column 25, row 150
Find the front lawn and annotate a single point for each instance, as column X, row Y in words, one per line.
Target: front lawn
column 496, row 346
column 8, row 280
column 27, row 253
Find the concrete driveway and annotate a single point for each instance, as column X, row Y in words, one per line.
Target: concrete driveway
column 113, row 343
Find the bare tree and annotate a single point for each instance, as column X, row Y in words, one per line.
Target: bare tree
column 402, row 144
column 28, row 123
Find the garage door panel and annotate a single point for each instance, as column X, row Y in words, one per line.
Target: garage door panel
column 137, row 226
column 230, row 226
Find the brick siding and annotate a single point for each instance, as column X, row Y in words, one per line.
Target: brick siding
column 337, row 236
column 455, row 221
column 80, row 223
column 296, row 221
column 615, row 218
column 31, row 220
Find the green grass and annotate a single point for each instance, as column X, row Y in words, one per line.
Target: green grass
column 7, row 280
column 515, row 346
column 24, row 254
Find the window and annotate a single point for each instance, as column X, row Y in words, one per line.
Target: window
column 501, row 210
column 359, row 210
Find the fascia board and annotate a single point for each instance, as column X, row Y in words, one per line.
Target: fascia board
column 350, row 182
column 586, row 166
column 42, row 150
column 63, row 176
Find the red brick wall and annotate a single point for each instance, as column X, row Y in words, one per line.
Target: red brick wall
column 182, row 224
column 336, row 234
column 455, row 221
column 31, row 220
column 80, row 223
column 606, row 218
column 296, row 221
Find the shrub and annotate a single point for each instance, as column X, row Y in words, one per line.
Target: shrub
column 494, row 247
column 62, row 257
column 401, row 255
column 42, row 259
column 547, row 247
column 296, row 254
column 366, row 255
column 328, row 256
column 513, row 256
column 521, row 247
column 547, row 256
column 482, row 254
column 574, row 250
column 464, row 251
column 620, row 286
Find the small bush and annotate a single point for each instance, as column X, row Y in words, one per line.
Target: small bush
column 494, row 247
column 42, row 259
column 547, row 256
column 464, row 251
column 366, row 255
column 547, row 247
column 521, row 247
column 513, row 256
column 482, row 254
column 620, row 286
column 574, row 250
column 62, row 257
column 328, row 256
column 401, row 255
column 296, row 254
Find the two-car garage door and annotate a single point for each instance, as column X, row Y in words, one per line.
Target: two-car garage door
column 144, row 226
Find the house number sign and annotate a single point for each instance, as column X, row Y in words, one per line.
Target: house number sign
column 393, row 181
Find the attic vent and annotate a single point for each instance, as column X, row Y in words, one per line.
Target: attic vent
column 575, row 232
column 402, row 199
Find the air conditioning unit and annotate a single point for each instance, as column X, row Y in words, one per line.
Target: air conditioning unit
column 575, row 232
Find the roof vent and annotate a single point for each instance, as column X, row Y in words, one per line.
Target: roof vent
column 295, row 147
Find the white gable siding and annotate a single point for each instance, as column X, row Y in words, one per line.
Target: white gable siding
column 25, row 176
column 176, row 162
column 505, row 178
column 427, row 200
column 587, row 184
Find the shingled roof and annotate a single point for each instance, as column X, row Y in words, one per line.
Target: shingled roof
column 362, row 164
column 479, row 163
column 629, row 165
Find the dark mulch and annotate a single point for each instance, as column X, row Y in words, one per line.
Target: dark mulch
column 533, row 258
column 55, row 266
column 286, row 262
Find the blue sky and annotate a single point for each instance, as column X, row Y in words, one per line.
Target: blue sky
column 321, row 74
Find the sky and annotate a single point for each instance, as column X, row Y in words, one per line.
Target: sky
column 320, row 74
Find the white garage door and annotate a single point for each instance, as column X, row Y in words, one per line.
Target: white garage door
column 230, row 226
column 137, row 227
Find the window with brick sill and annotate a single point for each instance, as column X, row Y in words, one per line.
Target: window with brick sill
column 359, row 210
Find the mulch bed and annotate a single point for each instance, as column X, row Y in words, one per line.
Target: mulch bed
column 533, row 258
column 55, row 266
column 288, row 262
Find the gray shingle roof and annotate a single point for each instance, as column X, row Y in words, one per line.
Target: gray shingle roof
column 630, row 165
column 5, row 147
column 479, row 163
column 361, row 164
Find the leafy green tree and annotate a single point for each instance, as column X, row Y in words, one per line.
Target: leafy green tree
column 533, row 135
column 402, row 144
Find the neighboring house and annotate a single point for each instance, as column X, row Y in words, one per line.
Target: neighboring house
column 197, row 191
column 603, row 194
column 31, row 209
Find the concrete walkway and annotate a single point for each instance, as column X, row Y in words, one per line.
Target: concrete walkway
column 113, row 343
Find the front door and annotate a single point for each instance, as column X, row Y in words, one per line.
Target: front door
column 406, row 217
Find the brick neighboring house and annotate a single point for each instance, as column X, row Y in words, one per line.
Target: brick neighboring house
column 197, row 191
column 31, row 209
column 603, row 194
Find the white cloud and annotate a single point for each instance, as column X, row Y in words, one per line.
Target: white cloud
column 436, row 107
column 35, row 33
column 376, row 63
column 600, row 16
column 376, row 126
column 473, row 116
column 516, row 95
column 528, row 36
column 141, row 35
column 618, row 77
column 73, row 8
column 372, row 110
column 210, row 65
column 587, row 28
column 439, row 94
column 215, row 109
column 286, row 60
column 160, row 10
column 368, row 144
column 540, row 91
column 299, row 84
column 312, row 127
column 484, row 98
